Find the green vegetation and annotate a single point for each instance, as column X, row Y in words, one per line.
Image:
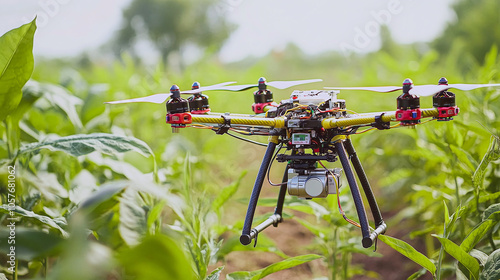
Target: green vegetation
column 200, row 24
column 108, row 192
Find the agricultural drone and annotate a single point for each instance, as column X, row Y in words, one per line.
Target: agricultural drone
column 311, row 127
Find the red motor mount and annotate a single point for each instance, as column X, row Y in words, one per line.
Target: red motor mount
column 447, row 113
column 258, row 108
column 200, row 112
column 409, row 116
column 179, row 119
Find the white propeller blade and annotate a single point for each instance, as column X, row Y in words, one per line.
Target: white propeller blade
column 472, row 86
column 377, row 89
column 275, row 84
column 427, row 90
column 239, row 87
column 287, row 84
column 212, row 87
column 420, row 90
column 162, row 97
column 155, row 98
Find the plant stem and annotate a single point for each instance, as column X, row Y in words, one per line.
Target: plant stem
column 334, row 255
column 440, row 258
column 462, row 223
column 492, row 242
column 15, row 269
column 457, row 193
column 8, row 132
column 45, row 267
column 345, row 265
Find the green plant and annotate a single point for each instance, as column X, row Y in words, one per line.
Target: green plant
column 469, row 260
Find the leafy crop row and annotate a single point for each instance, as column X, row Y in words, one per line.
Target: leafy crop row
column 109, row 193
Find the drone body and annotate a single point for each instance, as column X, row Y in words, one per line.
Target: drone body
column 311, row 127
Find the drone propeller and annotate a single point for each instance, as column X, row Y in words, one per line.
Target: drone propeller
column 377, row 89
column 162, row 97
column 427, row 90
column 275, row 84
column 421, row 90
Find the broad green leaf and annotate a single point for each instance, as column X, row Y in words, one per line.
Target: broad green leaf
column 491, row 155
column 197, row 256
column 82, row 186
column 16, row 65
column 476, row 235
column 424, row 231
column 490, row 210
column 479, row 255
column 492, row 267
column 157, row 257
column 446, row 213
column 120, row 166
column 93, row 105
column 82, row 144
column 265, row 243
column 455, row 216
column 53, row 223
column 64, row 99
column 227, row 193
column 215, row 275
column 101, row 202
column 31, row 93
column 275, row 267
column 31, row 243
column 133, row 221
column 417, row 274
column 82, row 258
column 241, row 275
column 464, row 157
column 459, row 273
column 460, row 255
column 408, row 251
column 488, row 197
column 316, row 229
column 154, row 216
column 47, row 184
column 294, row 203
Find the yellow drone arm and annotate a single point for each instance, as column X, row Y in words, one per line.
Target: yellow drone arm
column 368, row 119
column 221, row 119
column 279, row 122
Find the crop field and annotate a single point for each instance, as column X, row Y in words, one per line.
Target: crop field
column 96, row 191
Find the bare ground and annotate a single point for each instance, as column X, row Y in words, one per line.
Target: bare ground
column 293, row 239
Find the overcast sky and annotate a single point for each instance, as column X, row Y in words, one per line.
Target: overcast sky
column 67, row 27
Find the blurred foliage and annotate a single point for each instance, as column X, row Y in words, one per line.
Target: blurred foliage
column 473, row 30
column 101, row 185
column 174, row 24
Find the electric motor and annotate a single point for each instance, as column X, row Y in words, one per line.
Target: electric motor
column 198, row 103
column 177, row 110
column 408, row 113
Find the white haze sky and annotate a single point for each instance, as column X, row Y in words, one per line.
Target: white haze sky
column 68, row 27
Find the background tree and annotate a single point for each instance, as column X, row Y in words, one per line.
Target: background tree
column 171, row 25
column 475, row 28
